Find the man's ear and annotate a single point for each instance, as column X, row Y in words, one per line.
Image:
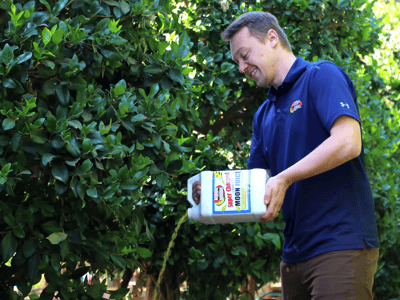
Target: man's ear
column 272, row 38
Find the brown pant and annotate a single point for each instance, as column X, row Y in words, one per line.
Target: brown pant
column 344, row 275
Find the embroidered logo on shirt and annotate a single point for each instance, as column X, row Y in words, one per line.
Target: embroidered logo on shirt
column 295, row 106
column 344, row 105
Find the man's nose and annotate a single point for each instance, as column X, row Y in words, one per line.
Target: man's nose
column 243, row 67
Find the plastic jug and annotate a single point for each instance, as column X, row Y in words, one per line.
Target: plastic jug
column 229, row 196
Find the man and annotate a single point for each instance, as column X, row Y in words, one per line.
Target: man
column 308, row 134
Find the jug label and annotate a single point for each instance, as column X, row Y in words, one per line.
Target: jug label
column 231, row 192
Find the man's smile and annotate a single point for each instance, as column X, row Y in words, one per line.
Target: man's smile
column 252, row 72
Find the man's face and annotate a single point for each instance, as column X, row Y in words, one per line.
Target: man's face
column 257, row 60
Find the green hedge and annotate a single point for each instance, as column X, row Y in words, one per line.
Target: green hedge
column 108, row 107
column 91, row 123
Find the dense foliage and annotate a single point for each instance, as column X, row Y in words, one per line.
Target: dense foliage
column 382, row 118
column 88, row 137
column 107, row 107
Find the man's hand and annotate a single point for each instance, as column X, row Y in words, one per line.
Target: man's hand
column 196, row 188
column 275, row 191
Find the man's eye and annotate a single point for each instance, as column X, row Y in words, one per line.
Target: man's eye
column 246, row 56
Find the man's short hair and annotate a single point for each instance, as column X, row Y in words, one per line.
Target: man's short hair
column 258, row 23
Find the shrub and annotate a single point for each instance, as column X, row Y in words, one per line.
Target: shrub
column 108, row 107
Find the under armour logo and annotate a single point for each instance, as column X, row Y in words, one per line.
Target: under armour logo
column 344, row 105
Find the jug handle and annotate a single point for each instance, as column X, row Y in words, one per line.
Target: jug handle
column 190, row 188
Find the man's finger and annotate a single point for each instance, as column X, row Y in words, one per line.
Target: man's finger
column 267, row 196
column 196, row 188
column 197, row 191
column 266, row 217
column 271, row 213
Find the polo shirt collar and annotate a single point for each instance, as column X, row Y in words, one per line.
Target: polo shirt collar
column 296, row 70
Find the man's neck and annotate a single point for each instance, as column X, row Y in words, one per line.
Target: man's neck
column 286, row 60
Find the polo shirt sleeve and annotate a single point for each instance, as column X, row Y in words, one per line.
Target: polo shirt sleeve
column 257, row 158
column 332, row 93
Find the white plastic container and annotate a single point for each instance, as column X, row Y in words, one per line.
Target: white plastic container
column 229, row 196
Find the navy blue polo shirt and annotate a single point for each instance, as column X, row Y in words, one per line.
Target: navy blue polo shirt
column 327, row 212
